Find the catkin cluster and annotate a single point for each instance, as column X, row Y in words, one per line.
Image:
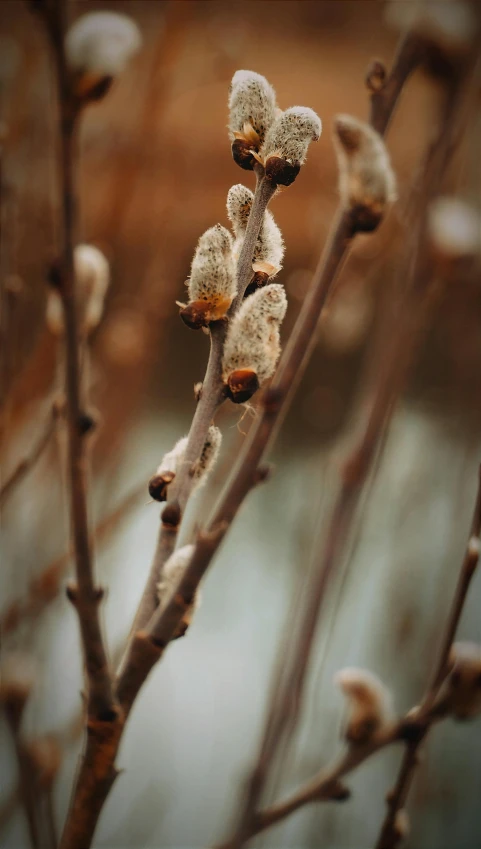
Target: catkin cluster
column 252, row 346
column 262, row 132
column 212, row 284
column 174, row 460
column 269, row 248
column 92, row 277
column 367, row 184
column 369, row 704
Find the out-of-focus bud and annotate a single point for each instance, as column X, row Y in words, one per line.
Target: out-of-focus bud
column 401, row 825
column 98, row 47
column 369, row 704
column 171, row 575
column 252, row 109
column 454, row 230
column 173, row 461
column 46, row 755
column 92, row 277
column 463, row 686
column 17, row 679
column 252, row 346
column 367, row 184
column 212, row 283
column 269, row 249
column 287, row 141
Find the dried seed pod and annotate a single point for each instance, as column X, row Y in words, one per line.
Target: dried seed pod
column 92, row 277
column 252, row 346
column 174, row 459
column 269, row 249
column 369, row 703
column 171, row 575
column 212, row 283
column 252, row 109
column 464, row 682
column 98, row 47
column 454, row 229
column 367, row 184
column 286, row 143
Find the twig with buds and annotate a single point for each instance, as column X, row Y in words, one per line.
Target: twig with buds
column 274, row 403
column 38, row 761
column 84, row 595
column 327, row 785
column 463, row 686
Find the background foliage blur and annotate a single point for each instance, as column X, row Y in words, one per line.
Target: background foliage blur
column 155, row 171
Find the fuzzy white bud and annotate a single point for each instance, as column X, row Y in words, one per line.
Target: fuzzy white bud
column 369, row 703
column 454, row 228
column 464, row 682
column 449, row 24
column 291, row 134
column 172, row 573
column 100, row 44
column 92, row 277
column 252, row 346
column 212, row 283
column 252, row 107
column 367, row 183
column 269, row 249
column 173, row 461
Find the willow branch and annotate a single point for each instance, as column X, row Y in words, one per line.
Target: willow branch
column 30, row 460
column 211, row 397
column 47, row 585
column 27, row 782
column 85, row 595
column 388, row 836
column 274, row 403
column 326, row 785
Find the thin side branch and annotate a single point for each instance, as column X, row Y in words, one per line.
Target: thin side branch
column 85, row 596
column 29, row 461
column 388, row 837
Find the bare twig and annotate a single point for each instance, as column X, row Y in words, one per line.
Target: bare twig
column 46, row 586
column 286, row 695
column 326, row 785
column 388, row 837
column 29, row 461
column 27, row 776
column 85, row 595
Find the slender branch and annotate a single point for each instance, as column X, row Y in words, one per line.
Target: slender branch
column 274, row 404
column 409, row 55
column 29, row 461
column 388, row 837
column 46, row 586
column 27, row 776
column 212, row 396
column 85, row 595
column 326, row 785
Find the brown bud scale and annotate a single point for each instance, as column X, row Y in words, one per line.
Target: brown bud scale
column 241, row 385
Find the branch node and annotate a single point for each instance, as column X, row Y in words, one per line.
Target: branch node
column 171, row 514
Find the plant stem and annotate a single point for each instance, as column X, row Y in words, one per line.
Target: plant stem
column 388, row 837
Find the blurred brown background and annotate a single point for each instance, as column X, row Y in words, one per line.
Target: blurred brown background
column 155, row 168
